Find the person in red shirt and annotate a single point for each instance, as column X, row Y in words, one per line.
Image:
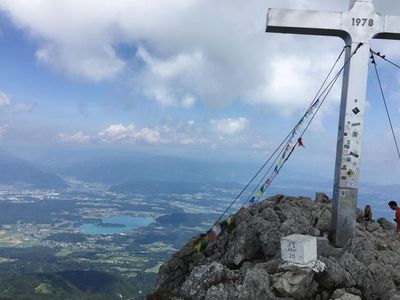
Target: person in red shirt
column 393, row 205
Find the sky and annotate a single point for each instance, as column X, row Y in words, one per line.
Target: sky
column 183, row 77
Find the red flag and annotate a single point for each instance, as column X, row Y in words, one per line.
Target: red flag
column 300, row 142
column 211, row 236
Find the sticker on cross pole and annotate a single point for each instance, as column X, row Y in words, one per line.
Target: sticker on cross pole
column 356, row 110
column 354, row 154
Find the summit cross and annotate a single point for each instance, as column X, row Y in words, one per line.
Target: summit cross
column 356, row 27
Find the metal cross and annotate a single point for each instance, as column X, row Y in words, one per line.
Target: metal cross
column 358, row 25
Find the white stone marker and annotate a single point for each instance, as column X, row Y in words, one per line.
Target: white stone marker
column 299, row 249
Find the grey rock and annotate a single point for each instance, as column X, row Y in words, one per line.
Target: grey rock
column 386, row 225
column 256, row 282
column 323, row 246
column 270, row 266
column 334, row 276
column 244, row 243
column 298, row 284
column 205, row 276
column 322, row 219
column 322, row 198
column 217, row 292
column 342, row 294
column 372, row 226
column 244, row 262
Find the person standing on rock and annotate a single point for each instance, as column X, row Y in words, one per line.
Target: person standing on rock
column 393, row 206
column 368, row 213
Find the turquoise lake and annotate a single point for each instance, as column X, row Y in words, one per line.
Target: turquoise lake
column 129, row 222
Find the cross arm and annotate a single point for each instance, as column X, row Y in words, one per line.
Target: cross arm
column 305, row 22
column 391, row 28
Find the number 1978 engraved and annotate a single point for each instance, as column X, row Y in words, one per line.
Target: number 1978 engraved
column 362, row 22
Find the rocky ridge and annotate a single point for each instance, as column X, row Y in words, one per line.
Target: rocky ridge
column 244, row 263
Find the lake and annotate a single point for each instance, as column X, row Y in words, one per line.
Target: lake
column 121, row 224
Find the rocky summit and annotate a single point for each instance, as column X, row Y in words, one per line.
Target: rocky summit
column 244, row 262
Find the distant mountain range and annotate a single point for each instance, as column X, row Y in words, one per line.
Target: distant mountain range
column 14, row 170
column 117, row 170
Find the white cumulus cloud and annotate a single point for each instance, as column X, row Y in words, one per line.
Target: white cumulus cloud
column 229, row 126
column 217, row 52
column 77, row 137
column 184, row 52
column 4, row 100
column 3, row 129
column 129, row 133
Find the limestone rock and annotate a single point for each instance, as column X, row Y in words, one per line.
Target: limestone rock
column 298, row 284
column 244, row 262
column 342, row 294
column 386, row 225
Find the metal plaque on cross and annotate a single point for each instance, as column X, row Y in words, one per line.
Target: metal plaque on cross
column 358, row 25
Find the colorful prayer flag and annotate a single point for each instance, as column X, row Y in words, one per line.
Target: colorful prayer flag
column 223, row 225
column 252, row 199
column 300, row 142
column 229, row 221
column 197, row 247
column 258, row 194
column 268, row 182
column 204, row 242
column 216, row 229
column 291, row 139
column 280, row 164
column 211, row 236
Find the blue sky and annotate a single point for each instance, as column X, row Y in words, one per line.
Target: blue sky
column 183, row 77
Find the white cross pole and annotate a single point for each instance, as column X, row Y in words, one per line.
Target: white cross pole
column 358, row 25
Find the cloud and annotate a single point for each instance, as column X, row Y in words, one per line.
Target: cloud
column 77, row 137
column 188, row 101
column 229, row 126
column 208, row 52
column 3, row 129
column 9, row 106
column 129, row 133
column 23, row 107
column 4, row 100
